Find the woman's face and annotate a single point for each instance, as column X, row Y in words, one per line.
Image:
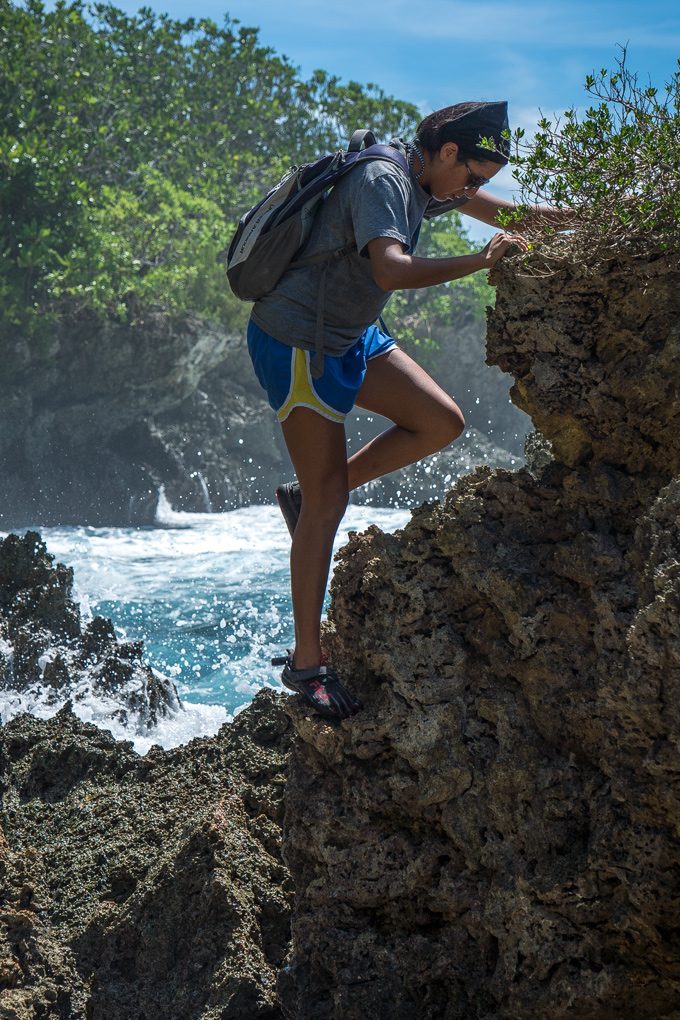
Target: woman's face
column 447, row 177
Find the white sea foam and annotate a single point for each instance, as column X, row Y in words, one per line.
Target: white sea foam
column 178, row 727
column 208, row 594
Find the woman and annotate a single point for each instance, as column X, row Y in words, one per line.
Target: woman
column 379, row 208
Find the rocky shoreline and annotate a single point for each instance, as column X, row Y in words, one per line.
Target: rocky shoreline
column 43, row 642
column 130, row 885
column 496, row 834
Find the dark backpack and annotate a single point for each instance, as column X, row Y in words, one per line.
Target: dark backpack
column 270, row 234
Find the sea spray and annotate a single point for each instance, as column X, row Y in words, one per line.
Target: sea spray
column 208, row 594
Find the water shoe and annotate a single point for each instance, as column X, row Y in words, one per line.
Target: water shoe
column 320, row 686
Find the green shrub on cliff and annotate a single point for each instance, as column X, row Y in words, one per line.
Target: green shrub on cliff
column 617, row 165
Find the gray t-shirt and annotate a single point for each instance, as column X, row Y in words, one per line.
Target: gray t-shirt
column 376, row 199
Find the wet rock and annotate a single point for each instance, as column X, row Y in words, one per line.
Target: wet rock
column 33, row 590
column 538, row 452
column 45, row 654
column 496, row 833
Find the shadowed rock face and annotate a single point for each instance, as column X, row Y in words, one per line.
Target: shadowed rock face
column 78, row 441
column 143, row 887
column 496, row 834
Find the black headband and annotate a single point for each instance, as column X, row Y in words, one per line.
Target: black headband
column 486, row 120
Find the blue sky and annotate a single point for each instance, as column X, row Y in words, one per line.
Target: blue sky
column 436, row 52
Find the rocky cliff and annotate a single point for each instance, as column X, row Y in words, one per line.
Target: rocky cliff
column 97, row 418
column 497, row 833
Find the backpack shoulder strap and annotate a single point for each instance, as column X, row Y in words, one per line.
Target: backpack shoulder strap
column 387, row 152
column 361, row 137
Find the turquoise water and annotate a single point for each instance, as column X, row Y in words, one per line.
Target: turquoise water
column 208, row 594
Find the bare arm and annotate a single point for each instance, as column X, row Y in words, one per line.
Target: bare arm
column 486, row 207
column 393, row 269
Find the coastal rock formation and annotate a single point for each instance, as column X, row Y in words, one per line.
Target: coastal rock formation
column 497, row 833
column 94, row 421
column 130, row 885
column 142, row 886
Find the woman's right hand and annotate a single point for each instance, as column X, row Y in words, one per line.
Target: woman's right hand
column 499, row 245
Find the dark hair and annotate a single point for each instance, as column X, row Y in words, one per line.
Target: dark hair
column 466, row 124
column 429, row 131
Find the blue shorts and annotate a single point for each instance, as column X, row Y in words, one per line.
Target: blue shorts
column 284, row 372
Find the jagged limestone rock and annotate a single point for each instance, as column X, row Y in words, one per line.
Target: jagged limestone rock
column 143, row 886
column 497, row 833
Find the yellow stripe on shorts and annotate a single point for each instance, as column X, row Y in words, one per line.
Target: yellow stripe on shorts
column 302, row 392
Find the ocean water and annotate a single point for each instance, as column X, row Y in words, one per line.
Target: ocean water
column 209, row 596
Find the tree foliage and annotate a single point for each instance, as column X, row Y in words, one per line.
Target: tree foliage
column 131, row 144
column 616, row 165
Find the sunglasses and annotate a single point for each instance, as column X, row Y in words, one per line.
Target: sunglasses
column 475, row 180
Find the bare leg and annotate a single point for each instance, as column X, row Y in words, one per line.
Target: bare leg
column 319, row 454
column 426, row 418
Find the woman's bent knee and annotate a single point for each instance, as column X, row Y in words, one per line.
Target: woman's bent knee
column 447, row 426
